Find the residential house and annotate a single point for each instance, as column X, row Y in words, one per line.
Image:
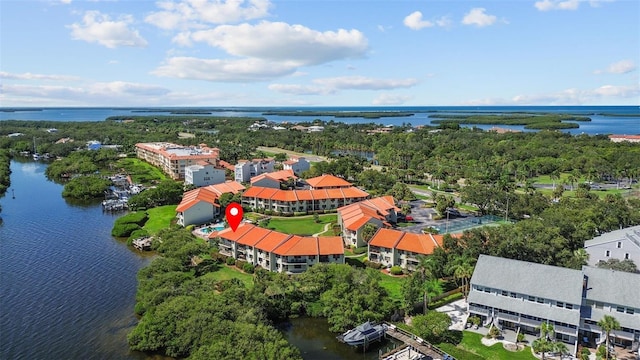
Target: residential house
column 520, row 295
column 379, row 212
column 202, row 205
column 173, row 159
column 246, row 169
column 273, row 179
column 297, row 164
column 392, row 247
column 619, row 244
column 203, row 174
column 276, row 251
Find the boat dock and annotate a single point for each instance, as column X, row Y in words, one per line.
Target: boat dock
column 142, row 244
column 413, row 342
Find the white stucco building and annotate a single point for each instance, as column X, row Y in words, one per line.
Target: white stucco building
column 203, row 174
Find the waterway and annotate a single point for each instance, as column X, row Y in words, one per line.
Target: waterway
column 618, row 119
column 67, row 287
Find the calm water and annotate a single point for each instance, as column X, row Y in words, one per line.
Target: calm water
column 67, row 288
column 599, row 125
column 316, row 342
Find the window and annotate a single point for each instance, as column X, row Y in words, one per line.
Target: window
column 487, row 290
column 599, row 305
column 620, row 309
column 504, row 293
column 630, row 311
column 619, row 244
column 540, row 300
column 559, row 304
column 607, row 253
column 626, row 256
column 569, row 306
column 531, row 298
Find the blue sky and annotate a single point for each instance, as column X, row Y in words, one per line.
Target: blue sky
column 319, row 53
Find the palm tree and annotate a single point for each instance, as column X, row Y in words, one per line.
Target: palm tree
column 608, row 323
column 463, row 270
column 544, row 344
column 432, row 288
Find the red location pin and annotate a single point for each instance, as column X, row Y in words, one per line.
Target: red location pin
column 234, row 215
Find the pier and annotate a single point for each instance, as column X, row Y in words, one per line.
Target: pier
column 413, row 342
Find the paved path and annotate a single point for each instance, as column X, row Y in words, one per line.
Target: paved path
column 326, row 227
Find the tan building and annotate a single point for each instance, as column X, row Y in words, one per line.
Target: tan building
column 392, row 247
column 173, row 158
column 379, row 212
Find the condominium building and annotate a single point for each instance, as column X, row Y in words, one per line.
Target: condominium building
column 519, row 295
column 379, row 212
column 173, row 159
column 246, row 169
column 276, row 251
column 392, row 247
column 297, row 164
column 203, row 174
column 623, row 244
column 202, row 205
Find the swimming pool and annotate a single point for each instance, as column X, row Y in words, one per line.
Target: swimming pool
column 210, row 229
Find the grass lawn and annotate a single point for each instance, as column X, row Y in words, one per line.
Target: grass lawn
column 393, row 285
column 227, row 273
column 140, row 171
column 160, row 218
column 467, row 207
column 471, row 347
column 572, row 194
column 301, row 226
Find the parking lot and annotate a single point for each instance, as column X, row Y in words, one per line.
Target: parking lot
column 423, row 217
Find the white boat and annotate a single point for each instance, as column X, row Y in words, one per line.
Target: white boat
column 363, row 334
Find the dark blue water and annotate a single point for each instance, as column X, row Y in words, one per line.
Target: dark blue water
column 67, row 288
column 600, row 124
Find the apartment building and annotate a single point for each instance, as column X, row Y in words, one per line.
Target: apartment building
column 278, row 252
column 246, row 169
column 203, row 174
column 379, row 212
column 202, row 205
column 173, row 158
column 392, row 247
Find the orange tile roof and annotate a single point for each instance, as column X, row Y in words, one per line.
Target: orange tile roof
column 416, row 243
column 330, row 245
column 327, row 181
column 227, row 187
column 194, row 196
column 226, row 165
column 355, row 215
column 282, row 175
column 302, row 195
column 298, row 246
column 279, row 243
column 386, row 238
column 419, row 243
column 290, row 162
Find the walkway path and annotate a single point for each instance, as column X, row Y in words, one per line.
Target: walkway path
column 417, row 343
column 326, row 227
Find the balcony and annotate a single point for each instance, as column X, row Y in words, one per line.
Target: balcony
column 565, row 330
column 622, row 335
column 225, row 251
column 531, row 322
column 478, row 310
column 509, row 317
column 294, row 261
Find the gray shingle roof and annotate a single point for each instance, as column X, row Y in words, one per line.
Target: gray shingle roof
column 630, row 233
column 613, row 287
column 549, row 282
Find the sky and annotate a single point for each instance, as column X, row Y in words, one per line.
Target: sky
column 319, row 53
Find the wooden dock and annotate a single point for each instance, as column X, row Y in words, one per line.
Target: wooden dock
column 424, row 347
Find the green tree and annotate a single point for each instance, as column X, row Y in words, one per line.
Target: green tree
column 626, row 265
column 432, row 288
column 368, row 230
column 432, row 327
column 608, row 324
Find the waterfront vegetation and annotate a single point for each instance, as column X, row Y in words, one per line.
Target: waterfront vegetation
column 140, row 171
column 471, row 347
column 530, row 121
column 5, row 171
column 161, row 217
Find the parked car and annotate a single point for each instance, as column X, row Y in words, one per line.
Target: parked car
column 408, row 218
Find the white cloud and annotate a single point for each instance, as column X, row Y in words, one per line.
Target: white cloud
column 415, row 21
column 295, row 89
column 278, row 41
column 365, row 83
column 65, row 1
column 99, row 28
column 243, row 70
column 326, row 86
column 621, row 67
column 479, row 18
column 196, row 13
column 606, row 94
column 30, row 76
column 547, row 5
column 390, row 99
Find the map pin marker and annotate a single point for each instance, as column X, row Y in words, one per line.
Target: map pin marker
column 234, row 215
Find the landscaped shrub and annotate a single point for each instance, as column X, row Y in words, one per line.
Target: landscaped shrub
column 231, row 261
column 493, row 333
column 138, row 217
column 124, row 230
column 248, row 268
column 219, row 257
column 373, row 265
column 240, row 264
column 299, row 213
column 360, row 250
column 395, row 270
